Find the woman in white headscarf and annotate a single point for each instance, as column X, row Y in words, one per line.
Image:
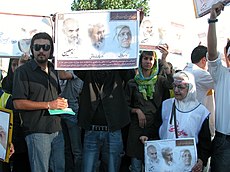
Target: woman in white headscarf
column 189, row 116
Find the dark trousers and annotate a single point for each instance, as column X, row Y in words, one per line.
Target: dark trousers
column 4, row 167
column 21, row 162
column 220, row 159
column 73, row 146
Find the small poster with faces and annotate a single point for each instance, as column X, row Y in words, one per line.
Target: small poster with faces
column 171, row 155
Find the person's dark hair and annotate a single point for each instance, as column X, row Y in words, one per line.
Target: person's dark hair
column 147, row 53
column 7, row 82
column 198, row 53
column 42, row 35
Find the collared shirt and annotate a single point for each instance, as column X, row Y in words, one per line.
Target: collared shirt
column 32, row 83
column 203, row 81
column 221, row 77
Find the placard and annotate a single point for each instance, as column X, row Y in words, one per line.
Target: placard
column 171, row 155
column 6, row 126
column 17, row 30
column 149, row 33
column 202, row 7
column 97, row 39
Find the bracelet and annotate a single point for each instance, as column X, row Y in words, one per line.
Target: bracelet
column 212, row 21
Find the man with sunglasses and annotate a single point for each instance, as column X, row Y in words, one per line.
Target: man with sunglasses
column 35, row 91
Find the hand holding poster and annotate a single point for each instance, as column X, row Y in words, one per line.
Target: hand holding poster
column 172, row 155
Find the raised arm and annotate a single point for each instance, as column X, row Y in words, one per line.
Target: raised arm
column 212, row 39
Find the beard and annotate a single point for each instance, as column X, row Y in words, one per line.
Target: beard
column 41, row 59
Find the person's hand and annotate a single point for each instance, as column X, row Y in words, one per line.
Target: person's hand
column 143, row 139
column 59, row 103
column 163, row 50
column 216, row 10
column 198, row 167
column 53, row 17
column 11, row 149
column 25, row 57
column 141, row 118
column 3, row 137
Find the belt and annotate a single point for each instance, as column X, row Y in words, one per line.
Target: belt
column 99, row 128
column 218, row 134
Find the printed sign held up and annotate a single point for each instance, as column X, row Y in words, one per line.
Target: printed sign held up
column 97, row 39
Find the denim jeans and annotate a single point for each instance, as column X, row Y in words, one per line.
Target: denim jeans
column 136, row 165
column 104, row 144
column 220, row 159
column 46, row 152
column 73, row 146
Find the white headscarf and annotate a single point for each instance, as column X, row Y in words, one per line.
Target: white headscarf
column 189, row 102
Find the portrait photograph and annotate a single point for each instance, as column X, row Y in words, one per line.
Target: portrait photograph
column 150, row 33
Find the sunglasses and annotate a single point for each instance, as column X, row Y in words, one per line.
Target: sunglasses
column 45, row 47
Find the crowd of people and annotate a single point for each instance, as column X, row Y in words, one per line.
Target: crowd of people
column 117, row 111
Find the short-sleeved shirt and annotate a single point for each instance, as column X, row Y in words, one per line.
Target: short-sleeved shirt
column 32, row 83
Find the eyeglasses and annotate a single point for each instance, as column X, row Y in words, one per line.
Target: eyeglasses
column 179, row 87
column 45, row 47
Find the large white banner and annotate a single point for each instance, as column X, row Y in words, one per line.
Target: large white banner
column 98, row 39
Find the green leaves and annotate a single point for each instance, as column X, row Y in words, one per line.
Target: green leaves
column 110, row 4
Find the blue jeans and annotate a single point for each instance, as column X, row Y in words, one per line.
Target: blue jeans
column 220, row 159
column 107, row 145
column 73, row 146
column 46, row 152
column 136, row 165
